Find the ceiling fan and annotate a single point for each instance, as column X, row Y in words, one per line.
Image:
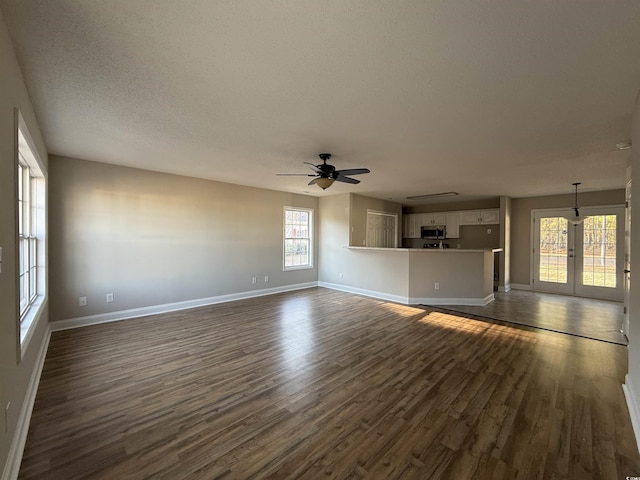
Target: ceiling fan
column 325, row 173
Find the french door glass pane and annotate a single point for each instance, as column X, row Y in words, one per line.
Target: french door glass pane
column 553, row 249
column 599, row 251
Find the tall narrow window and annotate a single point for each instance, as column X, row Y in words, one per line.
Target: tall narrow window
column 298, row 225
column 31, row 199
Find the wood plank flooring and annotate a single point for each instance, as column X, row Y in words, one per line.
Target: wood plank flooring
column 585, row 317
column 323, row 384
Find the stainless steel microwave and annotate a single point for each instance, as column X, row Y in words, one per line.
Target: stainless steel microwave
column 433, row 232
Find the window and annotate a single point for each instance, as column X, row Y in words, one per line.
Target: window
column 31, row 232
column 298, row 224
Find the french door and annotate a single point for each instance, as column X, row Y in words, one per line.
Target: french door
column 586, row 260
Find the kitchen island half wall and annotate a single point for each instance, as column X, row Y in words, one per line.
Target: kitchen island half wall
column 418, row 276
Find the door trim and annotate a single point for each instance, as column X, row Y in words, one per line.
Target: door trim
column 558, row 211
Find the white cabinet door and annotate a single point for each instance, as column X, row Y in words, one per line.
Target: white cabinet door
column 453, row 225
column 491, row 216
column 411, row 225
column 480, row 217
column 471, row 217
column 439, row 218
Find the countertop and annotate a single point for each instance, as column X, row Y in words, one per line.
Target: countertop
column 439, row 250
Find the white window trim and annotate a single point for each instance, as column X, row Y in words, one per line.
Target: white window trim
column 27, row 323
column 310, row 265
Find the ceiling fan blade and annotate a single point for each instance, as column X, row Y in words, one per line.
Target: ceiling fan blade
column 312, row 167
column 294, row 175
column 340, row 178
column 353, row 171
column 313, row 182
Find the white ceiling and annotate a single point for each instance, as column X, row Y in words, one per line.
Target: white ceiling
column 488, row 98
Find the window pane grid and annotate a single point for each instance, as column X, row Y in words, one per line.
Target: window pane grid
column 27, row 234
column 599, row 251
column 297, row 238
column 553, row 250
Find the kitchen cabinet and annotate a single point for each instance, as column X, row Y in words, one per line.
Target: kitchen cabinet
column 480, row 217
column 412, row 223
column 432, row 219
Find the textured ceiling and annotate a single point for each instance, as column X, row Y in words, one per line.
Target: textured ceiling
column 484, row 98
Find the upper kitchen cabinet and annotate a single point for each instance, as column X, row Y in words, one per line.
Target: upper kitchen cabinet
column 432, row 219
column 452, row 222
column 413, row 223
column 480, row 217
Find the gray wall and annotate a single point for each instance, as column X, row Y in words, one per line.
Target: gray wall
column 521, row 224
column 504, row 257
column 359, row 206
column 487, row 203
column 334, row 236
column 14, row 374
column 633, row 378
column 153, row 238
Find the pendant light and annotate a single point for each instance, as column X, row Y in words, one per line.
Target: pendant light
column 576, row 218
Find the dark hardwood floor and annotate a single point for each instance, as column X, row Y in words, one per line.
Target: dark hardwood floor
column 585, row 317
column 323, row 384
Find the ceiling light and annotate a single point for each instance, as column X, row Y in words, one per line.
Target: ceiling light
column 623, row 145
column 325, row 182
column 433, row 195
column 576, row 219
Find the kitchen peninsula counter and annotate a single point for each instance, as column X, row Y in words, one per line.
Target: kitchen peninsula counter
column 414, row 276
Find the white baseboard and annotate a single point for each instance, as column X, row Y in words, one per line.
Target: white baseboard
column 634, row 408
column 408, row 300
column 12, row 467
column 520, row 286
column 478, row 302
column 367, row 293
column 171, row 307
column 504, row 288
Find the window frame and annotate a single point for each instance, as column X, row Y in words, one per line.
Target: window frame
column 309, row 238
column 31, row 232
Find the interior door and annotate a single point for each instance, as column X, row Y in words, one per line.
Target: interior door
column 587, row 259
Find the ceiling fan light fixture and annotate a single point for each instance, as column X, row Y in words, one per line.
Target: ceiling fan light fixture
column 325, row 182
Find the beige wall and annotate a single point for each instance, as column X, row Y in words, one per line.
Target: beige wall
column 359, row 207
column 504, row 257
column 359, row 269
column 487, row 203
column 153, row 238
column 14, row 374
column 633, row 378
column 521, row 224
column 334, row 236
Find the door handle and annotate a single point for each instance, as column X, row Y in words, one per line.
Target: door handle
column 626, row 271
column 571, row 255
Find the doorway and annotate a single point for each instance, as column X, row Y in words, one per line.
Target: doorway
column 585, row 260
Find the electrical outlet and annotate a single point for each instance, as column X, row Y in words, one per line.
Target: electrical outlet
column 488, row 231
column 254, row 280
column 82, row 301
column 340, row 275
column 109, row 297
column 436, row 285
column 266, row 279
